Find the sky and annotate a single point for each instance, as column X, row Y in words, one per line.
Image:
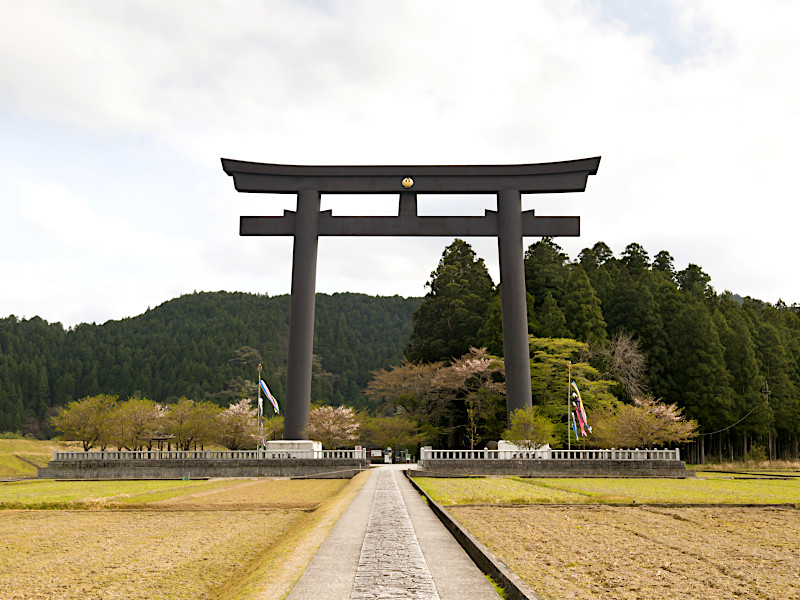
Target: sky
column 114, row 117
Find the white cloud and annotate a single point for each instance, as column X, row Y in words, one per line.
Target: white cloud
column 69, row 221
column 698, row 153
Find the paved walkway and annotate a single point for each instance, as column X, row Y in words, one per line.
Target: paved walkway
column 388, row 544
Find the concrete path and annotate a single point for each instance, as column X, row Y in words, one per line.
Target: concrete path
column 388, row 544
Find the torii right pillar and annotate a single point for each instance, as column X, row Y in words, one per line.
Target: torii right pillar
column 513, row 301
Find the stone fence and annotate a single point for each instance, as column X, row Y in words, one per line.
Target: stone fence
column 553, row 463
column 336, row 464
column 209, row 454
column 427, row 454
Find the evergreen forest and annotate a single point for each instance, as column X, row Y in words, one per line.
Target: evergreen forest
column 731, row 364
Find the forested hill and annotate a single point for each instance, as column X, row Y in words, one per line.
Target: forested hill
column 203, row 346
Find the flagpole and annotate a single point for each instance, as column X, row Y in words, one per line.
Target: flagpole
column 569, row 413
column 260, row 411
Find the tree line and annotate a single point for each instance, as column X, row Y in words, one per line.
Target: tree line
column 203, row 346
column 103, row 422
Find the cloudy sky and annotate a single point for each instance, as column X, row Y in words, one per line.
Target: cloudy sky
column 114, row 115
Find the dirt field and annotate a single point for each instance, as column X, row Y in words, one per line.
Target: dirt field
column 129, row 555
column 201, row 541
column 645, row 553
column 259, row 494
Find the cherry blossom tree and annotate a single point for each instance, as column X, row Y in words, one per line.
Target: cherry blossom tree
column 237, row 426
column 135, row 422
column 464, row 400
column 476, row 379
column 333, row 426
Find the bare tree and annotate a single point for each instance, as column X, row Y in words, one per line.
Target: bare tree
column 409, row 388
column 624, row 360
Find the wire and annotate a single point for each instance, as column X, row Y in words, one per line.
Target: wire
column 737, row 422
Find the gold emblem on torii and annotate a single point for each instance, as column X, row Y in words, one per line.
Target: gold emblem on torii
column 407, row 182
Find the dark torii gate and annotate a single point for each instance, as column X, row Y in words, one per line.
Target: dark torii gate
column 508, row 223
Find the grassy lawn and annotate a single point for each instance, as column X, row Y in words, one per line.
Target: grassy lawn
column 516, row 490
column 51, row 493
column 178, row 495
column 775, row 467
column 39, row 452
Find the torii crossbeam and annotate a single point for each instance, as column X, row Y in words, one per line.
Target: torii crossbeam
column 508, row 223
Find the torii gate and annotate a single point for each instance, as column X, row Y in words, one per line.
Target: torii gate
column 508, row 223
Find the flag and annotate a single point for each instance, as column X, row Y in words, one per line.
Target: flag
column 580, row 420
column 580, row 405
column 270, row 397
column 260, row 406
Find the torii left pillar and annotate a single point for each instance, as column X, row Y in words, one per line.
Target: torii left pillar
column 509, row 224
column 301, row 314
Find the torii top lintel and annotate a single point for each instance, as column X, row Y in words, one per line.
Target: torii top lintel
column 542, row 178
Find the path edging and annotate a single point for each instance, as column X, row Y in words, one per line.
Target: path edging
column 515, row 588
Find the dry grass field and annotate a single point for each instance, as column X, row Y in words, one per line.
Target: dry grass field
column 222, row 539
column 133, row 554
column 721, row 535
column 586, row 539
column 631, row 553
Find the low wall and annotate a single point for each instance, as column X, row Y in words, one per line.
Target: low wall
column 322, row 468
column 515, row 588
column 554, row 468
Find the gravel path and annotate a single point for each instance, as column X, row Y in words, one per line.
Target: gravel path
column 391, row 564
column 389, row 545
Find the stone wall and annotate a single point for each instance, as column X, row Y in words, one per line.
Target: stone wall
column 326, row 468
column 555, row 468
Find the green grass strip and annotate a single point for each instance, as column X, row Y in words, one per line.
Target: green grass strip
column 517, row 490
column 48, row 493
